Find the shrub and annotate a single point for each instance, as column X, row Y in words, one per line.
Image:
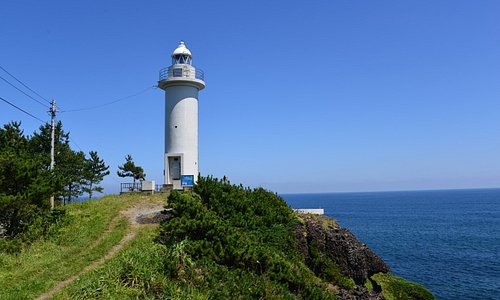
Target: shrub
column 398, row 288
column 236, row 241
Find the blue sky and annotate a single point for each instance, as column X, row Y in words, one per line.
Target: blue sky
column 301, row 96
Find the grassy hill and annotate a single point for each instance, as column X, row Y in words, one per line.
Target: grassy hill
column 87, row 232
column 220, row 242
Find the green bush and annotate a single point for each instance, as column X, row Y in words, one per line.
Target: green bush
column 398, row 288
column 36, row 225
column 11, row 245
column 228, row 236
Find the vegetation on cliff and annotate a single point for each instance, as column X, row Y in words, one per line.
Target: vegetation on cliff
column 224, row 241
column 233, row 241
column 239, row 242
column 220, row 242
column 394, row 288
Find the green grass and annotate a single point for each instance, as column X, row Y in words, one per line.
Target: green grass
column 368, row 285
column 92, row 228
column 136, row 273
column 398, row 288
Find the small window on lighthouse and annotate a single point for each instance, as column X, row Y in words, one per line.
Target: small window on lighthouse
column 177, row 72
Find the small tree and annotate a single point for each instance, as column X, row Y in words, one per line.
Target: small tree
column 94, row 171
column 129, row 169
column 71, row 171
column 69, row 164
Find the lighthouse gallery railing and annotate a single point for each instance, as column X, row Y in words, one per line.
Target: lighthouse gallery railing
column 179, row 72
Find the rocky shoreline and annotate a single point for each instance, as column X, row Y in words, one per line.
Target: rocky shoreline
column 354, row 258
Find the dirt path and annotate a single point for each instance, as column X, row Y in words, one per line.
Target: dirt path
column 132, row 213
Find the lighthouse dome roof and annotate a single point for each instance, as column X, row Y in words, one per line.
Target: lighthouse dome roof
column 181, row 49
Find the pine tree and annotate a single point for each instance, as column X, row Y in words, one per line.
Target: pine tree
column 94, row 171
column 69, row 164
column 72, row 168
column 25, row 184
column 129, row 169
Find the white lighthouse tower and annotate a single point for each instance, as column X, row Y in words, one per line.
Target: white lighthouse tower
column 181, row 82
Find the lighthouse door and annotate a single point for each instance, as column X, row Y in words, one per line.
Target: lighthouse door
column 175, row 168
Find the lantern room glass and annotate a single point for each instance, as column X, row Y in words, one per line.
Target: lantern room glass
column 181, row 59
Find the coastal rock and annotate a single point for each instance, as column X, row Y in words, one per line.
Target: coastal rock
column 359, row 293
column 354, row 258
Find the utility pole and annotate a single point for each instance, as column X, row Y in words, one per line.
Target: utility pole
column 52, row 143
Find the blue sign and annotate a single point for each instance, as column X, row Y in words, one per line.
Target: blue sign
column 187, row 180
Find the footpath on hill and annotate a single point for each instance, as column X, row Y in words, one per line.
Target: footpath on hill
column 137, row 216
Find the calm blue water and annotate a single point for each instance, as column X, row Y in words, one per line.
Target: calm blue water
column 447, row 240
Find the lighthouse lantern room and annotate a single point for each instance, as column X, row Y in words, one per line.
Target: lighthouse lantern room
column 181, row 82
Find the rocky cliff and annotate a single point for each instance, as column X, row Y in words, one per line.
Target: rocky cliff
column 322, row 236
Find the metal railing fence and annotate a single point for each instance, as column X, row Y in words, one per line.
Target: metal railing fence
column 171, row 72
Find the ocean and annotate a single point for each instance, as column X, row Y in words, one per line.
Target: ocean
column 447, row 240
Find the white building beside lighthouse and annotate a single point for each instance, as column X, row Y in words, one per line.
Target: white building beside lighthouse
column 181, row 82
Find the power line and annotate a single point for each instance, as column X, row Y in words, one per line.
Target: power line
column 73, row 141
column 10, row 103
column 111, row 102
column 24, row 85
column 23, row 92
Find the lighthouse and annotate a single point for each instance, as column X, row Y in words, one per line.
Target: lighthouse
column 181, row 82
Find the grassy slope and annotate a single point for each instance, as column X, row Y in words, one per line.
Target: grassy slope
column 93, row 228
column 129, row 274
column 91, row 231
